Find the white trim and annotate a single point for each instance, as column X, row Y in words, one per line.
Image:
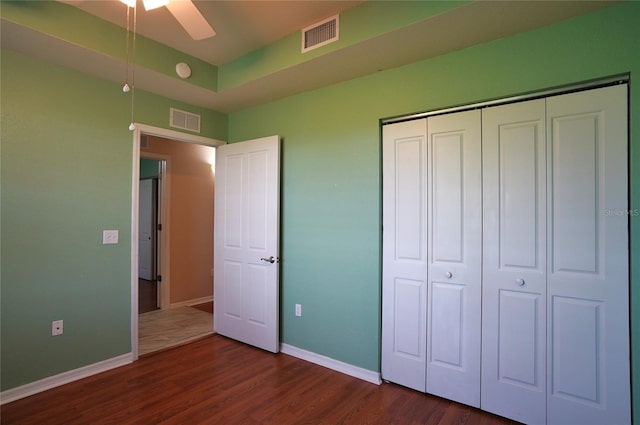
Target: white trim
column 177, row 135
column 346, row 368
column 135, row 181
column 189, row 303
column 135, row 189
column 35, row 387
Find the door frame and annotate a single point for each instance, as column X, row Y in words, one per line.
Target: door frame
column 135, row 177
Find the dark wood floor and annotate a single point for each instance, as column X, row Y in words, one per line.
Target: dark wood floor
column 219, row 381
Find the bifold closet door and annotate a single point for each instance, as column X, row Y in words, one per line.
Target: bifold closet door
column 432, row 255
column 588, row 379
column 512, row 244
column 404, row 263
column 555, row 345
column 454, row 256
column 514, row 261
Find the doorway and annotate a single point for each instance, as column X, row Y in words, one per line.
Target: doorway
column 151, row 218
column 171, row 299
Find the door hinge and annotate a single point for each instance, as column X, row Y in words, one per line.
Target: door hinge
column 159, row 226
column 159, row 278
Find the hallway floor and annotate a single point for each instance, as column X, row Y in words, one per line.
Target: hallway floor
column 162, row 329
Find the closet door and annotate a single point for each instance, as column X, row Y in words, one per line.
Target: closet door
column 404, row 264
column 588, row 281
column 454, row 257
column 514, row 261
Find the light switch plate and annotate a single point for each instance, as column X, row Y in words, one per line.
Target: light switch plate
column 109, row 237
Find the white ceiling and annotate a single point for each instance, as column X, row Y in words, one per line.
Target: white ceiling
column 243, row 26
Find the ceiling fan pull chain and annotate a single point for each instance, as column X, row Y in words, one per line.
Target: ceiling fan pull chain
column 133, row 74
column 125, row 88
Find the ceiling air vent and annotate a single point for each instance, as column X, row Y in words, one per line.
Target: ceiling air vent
column 184, row 120
column 320, row 33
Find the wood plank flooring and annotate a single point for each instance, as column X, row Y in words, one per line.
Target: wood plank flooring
column 216, row 380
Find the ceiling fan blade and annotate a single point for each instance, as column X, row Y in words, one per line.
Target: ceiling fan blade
column 188, row 15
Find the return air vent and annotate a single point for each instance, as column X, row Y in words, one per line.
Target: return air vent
column 184, row 120
column 320, row 34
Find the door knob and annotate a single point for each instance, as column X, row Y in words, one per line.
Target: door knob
column 449, row 275
column 520, row 281
column 269, row 260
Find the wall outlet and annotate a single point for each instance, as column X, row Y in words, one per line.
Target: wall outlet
column 57, row 327
column 298, row 310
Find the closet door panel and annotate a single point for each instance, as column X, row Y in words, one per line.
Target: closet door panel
column 404, row 264
column 588, row 281
column 454, row 272
column 518, row 332
column 514, row 266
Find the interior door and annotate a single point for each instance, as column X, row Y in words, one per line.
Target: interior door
column 588, row 269
column 147, row 223
column 246, row 247
column 404, row 259
column 514, row 261
column 454, row 256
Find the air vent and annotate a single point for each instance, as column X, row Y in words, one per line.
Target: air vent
column 320, row 34
column 184, row 120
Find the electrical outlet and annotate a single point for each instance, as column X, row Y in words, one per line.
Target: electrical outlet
column 57, row 327
column 298, row 310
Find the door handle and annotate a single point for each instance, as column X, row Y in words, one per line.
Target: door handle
column 269, row 260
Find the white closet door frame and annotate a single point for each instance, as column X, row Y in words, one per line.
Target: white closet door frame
column 585, row 227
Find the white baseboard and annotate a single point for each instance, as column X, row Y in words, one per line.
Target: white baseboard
column 194, row 301
column 328, row 362
column 26, row 390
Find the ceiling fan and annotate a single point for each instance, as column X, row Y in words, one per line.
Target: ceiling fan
column 185, row 12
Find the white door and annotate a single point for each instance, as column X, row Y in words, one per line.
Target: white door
column 514, row 261
column 147, row 229
column 454, row 256
column 404, row 258
column 587, row 258
column 246, row 248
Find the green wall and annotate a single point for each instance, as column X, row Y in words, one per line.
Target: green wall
column 331, row 166
column 66, row 176
column 149, row 167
